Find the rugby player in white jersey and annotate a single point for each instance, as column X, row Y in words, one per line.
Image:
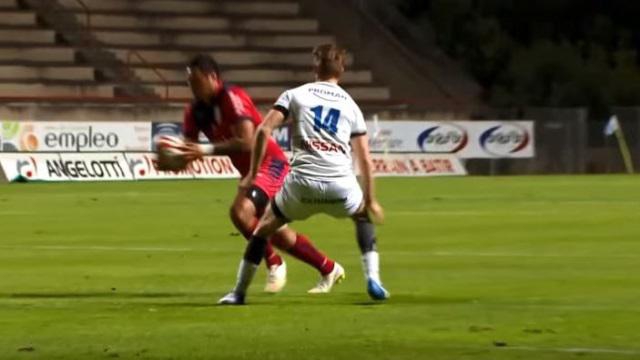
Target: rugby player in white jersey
column 327, row 124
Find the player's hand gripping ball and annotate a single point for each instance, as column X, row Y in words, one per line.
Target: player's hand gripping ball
column 172, row 153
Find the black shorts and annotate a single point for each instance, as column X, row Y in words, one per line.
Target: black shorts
column 259, row 198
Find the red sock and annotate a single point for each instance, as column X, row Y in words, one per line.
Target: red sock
column 270, row 256
column 305, row 251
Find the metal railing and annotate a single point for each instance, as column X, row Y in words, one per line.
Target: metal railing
column 87, row 14
column 86, row 36
column 130, row 54
column 134, row 53
column 412, row 42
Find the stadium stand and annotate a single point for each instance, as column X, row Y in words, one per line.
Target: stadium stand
column 137, row 49
column 34, row 63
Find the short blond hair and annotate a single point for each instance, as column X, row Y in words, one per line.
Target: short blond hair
column 329, row 61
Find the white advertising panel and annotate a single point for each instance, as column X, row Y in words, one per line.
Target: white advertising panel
column 416, row 165
column 65, row 167
column 91, row 167
column 30, row 167
column 465, row 139
column 144, row 167
column 74, row 136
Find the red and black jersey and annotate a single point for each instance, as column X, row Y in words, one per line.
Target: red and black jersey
column 217, row 119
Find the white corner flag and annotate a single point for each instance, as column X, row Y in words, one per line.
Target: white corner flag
column 612, row 126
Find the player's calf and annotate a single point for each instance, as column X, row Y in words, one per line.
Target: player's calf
column 367, row 242
column 300, row 247
column 243, row 216
column 253, row 254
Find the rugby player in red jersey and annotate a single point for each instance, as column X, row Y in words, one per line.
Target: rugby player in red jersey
column 226, row 115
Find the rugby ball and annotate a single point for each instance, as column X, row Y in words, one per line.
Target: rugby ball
column 171, row 154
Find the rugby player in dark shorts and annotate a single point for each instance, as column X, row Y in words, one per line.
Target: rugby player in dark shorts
column 226, row 115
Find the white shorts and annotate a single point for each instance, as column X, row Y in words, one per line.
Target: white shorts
column 299, row 198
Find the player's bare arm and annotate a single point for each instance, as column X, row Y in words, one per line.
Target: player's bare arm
column 273, row 120
column 242, row 141
column 360, row 145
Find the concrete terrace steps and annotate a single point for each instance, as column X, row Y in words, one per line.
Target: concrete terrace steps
column 263, row 46
column 258, row 93
column 234, row 32
column 37, row 54
column 20, row 89
column 271, row 93
column 82, row 15
column 64, row 82
column 191, row 50
column 69, row 73
column 18, row 18
column 198, row 23
column 33, row 36
column 183, row 7
column 236, row 57
column 209, row 41
column 180, row 67
column 253, row 76
column 9, row 4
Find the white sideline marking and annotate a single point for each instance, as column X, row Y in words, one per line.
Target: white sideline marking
column 489, row 254
column 99, row 248
column 482, row 213
column 572, row 307
column 573, row 350
column 496, row 254
column 442, row 212
column 629, row 352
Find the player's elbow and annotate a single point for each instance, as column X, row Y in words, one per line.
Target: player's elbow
column 265, row 129
column 246, row 145
column 263, row 133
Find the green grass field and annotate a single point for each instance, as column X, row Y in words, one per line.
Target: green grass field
column 479, row 268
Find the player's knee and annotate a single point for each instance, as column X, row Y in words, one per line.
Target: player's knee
column 243, row 218
column 242, row 209
column 262, row 232
column 269, row 224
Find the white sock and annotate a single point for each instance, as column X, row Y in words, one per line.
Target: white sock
column 371, row 265
column 246, row 270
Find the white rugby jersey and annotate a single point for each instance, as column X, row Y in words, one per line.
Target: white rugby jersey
column 324, row 119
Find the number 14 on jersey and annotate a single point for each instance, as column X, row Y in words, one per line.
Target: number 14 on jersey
column 328, row 123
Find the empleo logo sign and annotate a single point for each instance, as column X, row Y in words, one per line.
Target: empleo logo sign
column 76, row 136
column 90, row 140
